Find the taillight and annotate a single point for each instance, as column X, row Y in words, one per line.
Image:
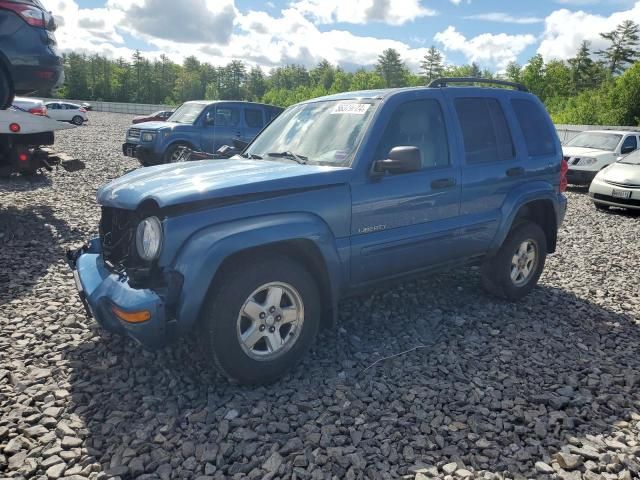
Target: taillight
column 42, row 111
column 564, row 167
column 82, row 110
column 15, row 127
column 23, row 157
column 30, row 14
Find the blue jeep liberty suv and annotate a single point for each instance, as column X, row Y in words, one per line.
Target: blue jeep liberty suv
column 337, row 195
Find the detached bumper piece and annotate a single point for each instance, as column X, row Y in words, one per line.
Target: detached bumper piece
column 109, row 298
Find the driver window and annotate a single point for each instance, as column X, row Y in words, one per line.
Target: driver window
column 419, row 124
column 227, row 117
column 630, row 143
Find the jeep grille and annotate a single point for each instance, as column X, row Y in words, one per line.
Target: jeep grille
column 117, row 235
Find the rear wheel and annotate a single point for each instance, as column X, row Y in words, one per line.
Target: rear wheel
column 261, row 320
column 77, row 120
column 517, row 266
column 6, row 90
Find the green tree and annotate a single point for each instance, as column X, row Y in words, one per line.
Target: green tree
column 513, row 72
column 432, row 66
column 392, row 69
column 533, row 76
column 623, row 49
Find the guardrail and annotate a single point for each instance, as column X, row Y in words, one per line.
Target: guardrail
column 565, row 132
column 116, row 107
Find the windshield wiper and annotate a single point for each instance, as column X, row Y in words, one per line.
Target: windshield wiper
column 251, row 156
column 301, row 159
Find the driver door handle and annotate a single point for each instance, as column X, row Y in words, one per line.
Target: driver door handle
column 443, row 183
column 514, row 172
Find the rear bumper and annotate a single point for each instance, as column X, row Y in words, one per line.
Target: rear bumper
column 146, row 156
column 580, row 177
column 45, row 73
column 101, row 290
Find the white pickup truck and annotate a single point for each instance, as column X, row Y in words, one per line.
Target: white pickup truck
column 592, row 150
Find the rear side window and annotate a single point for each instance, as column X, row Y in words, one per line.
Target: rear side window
column 253, row 117
column 534, row 124
column 485, row 130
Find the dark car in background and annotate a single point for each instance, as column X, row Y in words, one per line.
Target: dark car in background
column 200, row 125
column 29, row 60
column 161, row 116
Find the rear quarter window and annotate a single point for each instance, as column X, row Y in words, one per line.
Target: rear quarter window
column 534, row 123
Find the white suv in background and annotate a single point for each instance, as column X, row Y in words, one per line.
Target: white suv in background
column 591, row 151
column 67, row 112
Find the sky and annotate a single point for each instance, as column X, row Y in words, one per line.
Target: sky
column 349, row 33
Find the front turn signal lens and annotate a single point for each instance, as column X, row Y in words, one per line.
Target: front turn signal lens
column 131, row 317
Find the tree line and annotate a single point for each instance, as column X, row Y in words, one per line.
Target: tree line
column 593, row 87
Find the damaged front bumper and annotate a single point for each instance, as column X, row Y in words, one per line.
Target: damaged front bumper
column 109, row 298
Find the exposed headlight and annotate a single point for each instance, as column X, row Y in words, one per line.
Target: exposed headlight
column 148, row 136
column 586, row 161
column 149, row 238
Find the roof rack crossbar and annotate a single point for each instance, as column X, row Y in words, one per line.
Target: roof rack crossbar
column 443, row 82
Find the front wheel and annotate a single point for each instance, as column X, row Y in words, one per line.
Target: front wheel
column 173, row 153
column 514, row 271
column 77, row 120
column 261, row 320
column 6, row 90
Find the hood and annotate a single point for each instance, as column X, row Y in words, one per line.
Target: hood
column 155, row 125
column 585, row 152
column 622, row 173
column 180, row 183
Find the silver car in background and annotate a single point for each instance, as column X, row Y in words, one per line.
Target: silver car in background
column 618, row 185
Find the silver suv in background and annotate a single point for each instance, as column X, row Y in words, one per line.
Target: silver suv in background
column 591, row 151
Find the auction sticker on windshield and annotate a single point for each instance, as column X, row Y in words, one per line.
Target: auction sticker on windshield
column 351, row 108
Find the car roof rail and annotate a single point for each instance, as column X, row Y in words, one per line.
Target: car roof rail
column 444, row 82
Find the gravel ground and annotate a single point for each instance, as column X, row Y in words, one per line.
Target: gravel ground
column 545, row 388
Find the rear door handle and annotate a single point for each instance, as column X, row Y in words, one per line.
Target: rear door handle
column 515, row 171
column 443, row 183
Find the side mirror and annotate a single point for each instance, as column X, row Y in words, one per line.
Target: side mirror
column 209, row 120
column 401, row 160
column 627, row 149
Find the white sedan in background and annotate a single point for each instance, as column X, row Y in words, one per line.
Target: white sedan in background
column 618, row 185
column 67, row 112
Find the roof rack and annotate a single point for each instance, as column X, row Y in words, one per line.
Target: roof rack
column 443, row 82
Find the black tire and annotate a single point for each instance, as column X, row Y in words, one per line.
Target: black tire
column 168, row 155
column 7, row 93
column 219, row 320
column 601, row 206
column 496, row 271
column 77, row 120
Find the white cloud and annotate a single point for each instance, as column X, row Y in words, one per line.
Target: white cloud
column 565, row 30
column 396, row 12
column 493, row 49
column 502, row 17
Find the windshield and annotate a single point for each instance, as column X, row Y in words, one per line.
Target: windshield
column 598, row 140
column 632, row 158
column 187, row 113
column 326, row 133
